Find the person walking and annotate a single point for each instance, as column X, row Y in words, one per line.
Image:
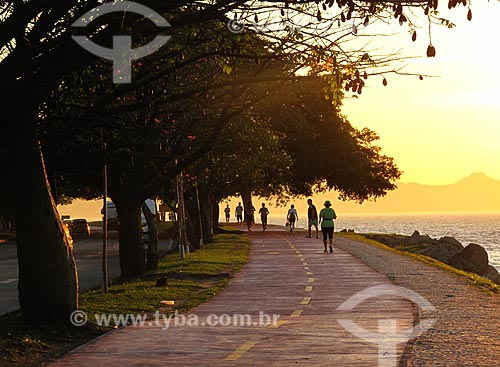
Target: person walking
column 249, row 212
column 312, row 217
column 264, row 212
column 227, row 210
column 326, row 217
column 239, row 214
column 292, row 216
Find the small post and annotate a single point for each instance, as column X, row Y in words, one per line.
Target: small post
column 180, row 215
column 104, row 221
column 199, row 211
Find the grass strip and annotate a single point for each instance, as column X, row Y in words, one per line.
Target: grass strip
column 193, row 281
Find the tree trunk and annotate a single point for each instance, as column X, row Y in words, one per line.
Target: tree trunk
column 246, row 197
column 132, row 261
column 194, row 223
column 215, row 217
column 206, row 218
column 153, row 256
column 48, row 283
column 192, row 237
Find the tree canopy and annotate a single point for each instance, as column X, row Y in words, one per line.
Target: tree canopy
column 214, row 68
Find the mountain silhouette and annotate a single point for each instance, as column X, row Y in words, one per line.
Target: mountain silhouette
column 477, row 192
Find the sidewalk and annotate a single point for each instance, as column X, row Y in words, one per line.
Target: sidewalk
column 467, row 331
column 287, row 275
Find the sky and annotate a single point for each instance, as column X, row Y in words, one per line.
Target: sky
column 442, row 128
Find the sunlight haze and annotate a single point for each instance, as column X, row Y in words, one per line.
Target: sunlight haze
column 442, row 128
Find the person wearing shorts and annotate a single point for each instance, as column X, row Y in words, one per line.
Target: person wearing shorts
column 326, row 217
column 292, row 216
column 239, row 214
column 227, row 211
column 264, row 212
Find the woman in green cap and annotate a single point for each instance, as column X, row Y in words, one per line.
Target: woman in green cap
column 326, row 217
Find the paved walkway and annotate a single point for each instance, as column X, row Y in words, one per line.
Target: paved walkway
column 287, row 275
column 467, row 331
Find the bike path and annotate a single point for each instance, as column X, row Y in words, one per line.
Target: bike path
column 287, row 275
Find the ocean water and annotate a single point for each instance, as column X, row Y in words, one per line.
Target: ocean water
column 480, row 228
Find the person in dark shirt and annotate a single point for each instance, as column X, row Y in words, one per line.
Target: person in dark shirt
column 264, row 212
column 312, row 216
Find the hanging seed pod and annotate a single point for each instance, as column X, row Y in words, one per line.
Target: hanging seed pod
column 435, row 4
column 384, row 82
column 366, row 22
column 365, row 75
column 256, row 18
column 421, row 77
column 318, row 16
column 282, row 12
column 414, row 36
column 349, row 14
column 354, row 28
column 342, row 17
column 334, row 62
column 426, row 11
column 464, row 2
column 431, row 51
column 356, row 74
column 286, row 4
column 399, row 10
column 373, row 7
column 402, row 19
column 338, row 23
column 324, row 6
column 450, row 4
column 347, row 86
column 469, row 15
column 360, row 88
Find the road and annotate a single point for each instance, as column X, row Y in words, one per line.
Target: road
column 88, row 259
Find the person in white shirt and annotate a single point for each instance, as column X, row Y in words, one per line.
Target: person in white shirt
column 292, row 217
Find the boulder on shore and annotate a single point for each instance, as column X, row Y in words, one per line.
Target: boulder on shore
column 442, row 251
column 492, row 274
column 448, row 250
column 417, row 239
column 473, row 258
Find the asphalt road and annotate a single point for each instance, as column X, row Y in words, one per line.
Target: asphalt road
column 88, row 255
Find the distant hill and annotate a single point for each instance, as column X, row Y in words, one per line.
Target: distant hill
column 476, row 192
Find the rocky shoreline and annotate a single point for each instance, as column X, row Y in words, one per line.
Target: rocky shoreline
column 472, row 258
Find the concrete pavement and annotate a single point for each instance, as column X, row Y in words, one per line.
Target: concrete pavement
column 288, row 278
